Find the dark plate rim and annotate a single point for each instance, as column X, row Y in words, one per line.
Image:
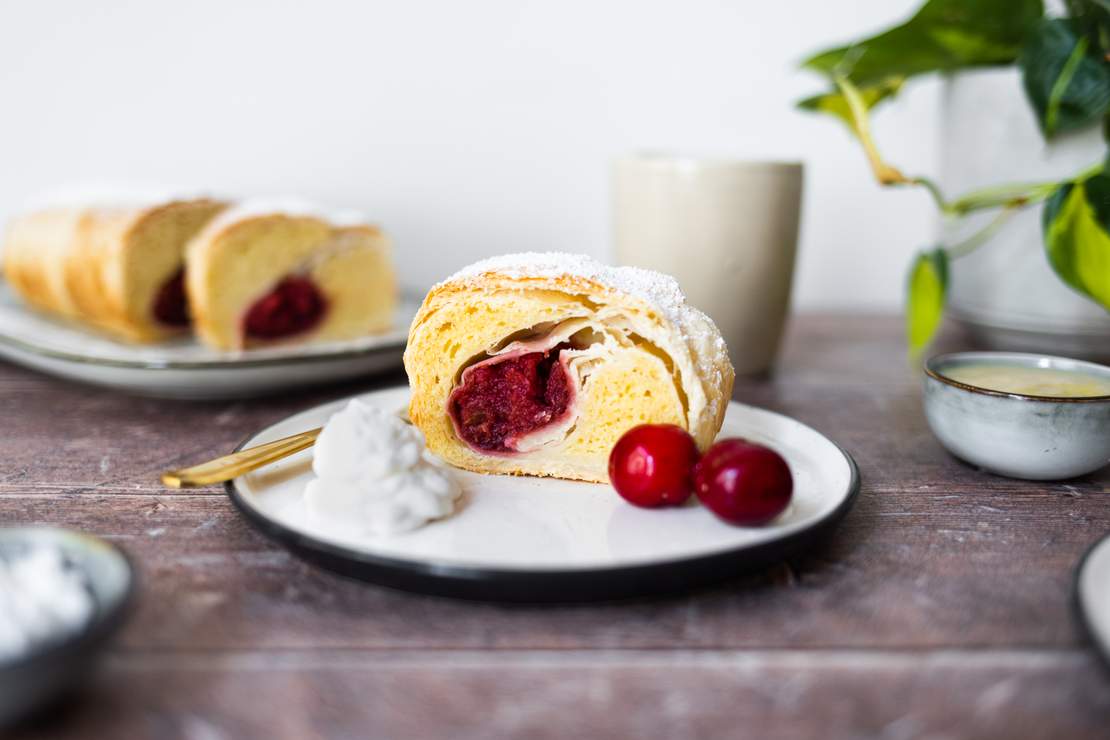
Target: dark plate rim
column 377, row 568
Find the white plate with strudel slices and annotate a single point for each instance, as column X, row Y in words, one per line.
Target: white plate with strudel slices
column 524, row 372
column 200, row 298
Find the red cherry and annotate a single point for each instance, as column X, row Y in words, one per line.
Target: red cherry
column 652, row 465
column 743, row 482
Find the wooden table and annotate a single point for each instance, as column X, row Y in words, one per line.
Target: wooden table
column 939, row 608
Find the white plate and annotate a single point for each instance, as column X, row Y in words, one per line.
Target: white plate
column 537, row 539
column 1092, row 595
column 184, row 368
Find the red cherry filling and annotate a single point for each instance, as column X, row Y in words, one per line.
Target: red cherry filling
column 501, row 400
column 293, row 306
column 170, row 306
column 651, row 465
column 743, row 482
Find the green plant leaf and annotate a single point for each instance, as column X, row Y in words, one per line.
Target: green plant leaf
column 835, row 104
column 1067, row 86
column 1077, row 236
column 1092, row 17
column 943, row 35
column 926, row 293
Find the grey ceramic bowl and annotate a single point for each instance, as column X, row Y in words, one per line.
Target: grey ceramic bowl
column 1020, row 436
column 31, row 681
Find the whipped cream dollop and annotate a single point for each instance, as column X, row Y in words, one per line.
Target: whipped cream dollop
column 374, row 476
column 43, row 600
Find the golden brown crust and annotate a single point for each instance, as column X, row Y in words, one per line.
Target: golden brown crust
column 34, row 252
column 88, row 276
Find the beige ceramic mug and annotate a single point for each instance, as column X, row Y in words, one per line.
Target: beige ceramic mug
column 727, row 230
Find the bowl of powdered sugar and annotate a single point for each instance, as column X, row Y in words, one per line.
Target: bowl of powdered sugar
column 62, row 596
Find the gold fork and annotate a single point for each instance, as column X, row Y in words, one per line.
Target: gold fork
column 238, row 463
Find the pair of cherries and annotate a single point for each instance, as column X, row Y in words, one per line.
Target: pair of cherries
column 742, row 482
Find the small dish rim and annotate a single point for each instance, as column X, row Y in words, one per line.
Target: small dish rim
column 100, row 627
column 930, row 368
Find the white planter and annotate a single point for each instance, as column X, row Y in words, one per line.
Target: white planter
column 1006, row 292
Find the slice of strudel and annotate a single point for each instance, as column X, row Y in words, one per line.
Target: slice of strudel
column 118, row 268
column 264, row 272
column 536, row 364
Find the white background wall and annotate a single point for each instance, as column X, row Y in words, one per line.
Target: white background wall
column 467, row 128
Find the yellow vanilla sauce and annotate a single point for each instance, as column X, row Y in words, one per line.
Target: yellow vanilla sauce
column 1029, row 381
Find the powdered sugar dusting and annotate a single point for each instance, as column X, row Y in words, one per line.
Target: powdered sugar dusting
column 660, row 290
column 296, row 207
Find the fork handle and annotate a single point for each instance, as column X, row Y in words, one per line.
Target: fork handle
column 238, row 463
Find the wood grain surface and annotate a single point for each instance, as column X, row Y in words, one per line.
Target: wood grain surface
column 939, row 608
